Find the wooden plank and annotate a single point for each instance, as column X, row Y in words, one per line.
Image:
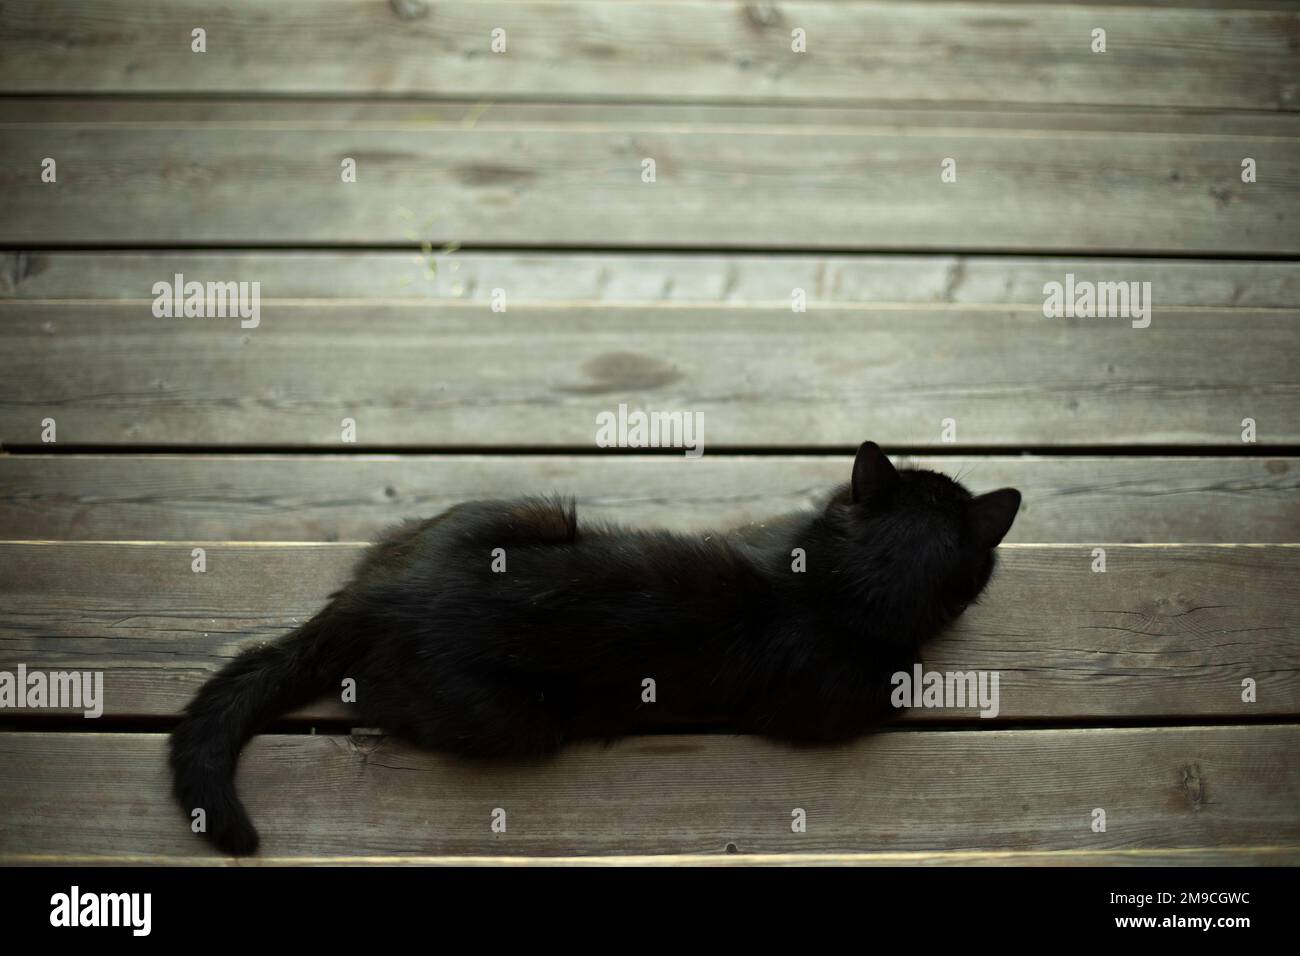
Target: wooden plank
column 366, row 115
column 539, row 375
column 622, row 279
column 1186, row 788
column 353, row 498
column 162, row 173
column 1209, row 856
column 1166, row 631
column 1196, row 55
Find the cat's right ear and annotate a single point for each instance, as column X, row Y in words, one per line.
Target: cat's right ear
column 991, row 516
column 873, row 474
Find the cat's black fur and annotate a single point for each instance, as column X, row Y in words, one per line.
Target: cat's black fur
column 453, row 655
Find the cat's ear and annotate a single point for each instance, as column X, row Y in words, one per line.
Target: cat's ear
column 873, row 474
column 991, row 516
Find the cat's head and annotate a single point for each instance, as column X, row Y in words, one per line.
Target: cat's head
column 921, row 529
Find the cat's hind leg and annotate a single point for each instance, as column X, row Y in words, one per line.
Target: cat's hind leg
column 484, row 718
column 516, row 521
column 508, row 523
column 535, row 521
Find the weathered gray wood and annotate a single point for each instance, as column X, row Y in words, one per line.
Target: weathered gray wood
column 622, row 279
column 537, row 376
column 1205, row 856
column 235, row 114
column 1166, row 631
column 165, row 173
column 352, row 498
column 1211, row 55
column 1199, row 787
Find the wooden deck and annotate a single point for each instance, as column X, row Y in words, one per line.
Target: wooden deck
column 774, row 171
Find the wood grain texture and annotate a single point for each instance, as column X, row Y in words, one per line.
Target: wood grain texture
column 1092, row 165
column 164, row 173
column 353, row 498
column 620, row 280
column 1204, row 856
column 1189, row 788
column 538, row 376
column 1194, row 55
column 1166, row 631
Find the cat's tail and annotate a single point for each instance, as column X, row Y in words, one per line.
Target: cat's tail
column 228, row 710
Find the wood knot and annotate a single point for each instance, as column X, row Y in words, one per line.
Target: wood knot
column 16, row 268
column 622, row 372
column 762, row 15
column 410, row 9
column 1192, row 784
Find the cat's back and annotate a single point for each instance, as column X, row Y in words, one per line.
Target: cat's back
column 534, row 554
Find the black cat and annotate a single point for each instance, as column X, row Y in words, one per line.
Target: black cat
column 501, row 629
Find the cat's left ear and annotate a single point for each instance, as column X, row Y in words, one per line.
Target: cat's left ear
column 991, row 516
column 873, row 473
